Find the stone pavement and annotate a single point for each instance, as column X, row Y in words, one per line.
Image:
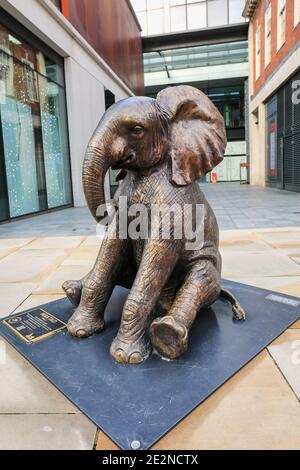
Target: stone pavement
column 243, row 206
column 257, row 409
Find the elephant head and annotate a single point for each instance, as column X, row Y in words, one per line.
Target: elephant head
column 182, row 127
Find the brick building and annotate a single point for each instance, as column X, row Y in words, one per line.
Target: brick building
column 274, row 56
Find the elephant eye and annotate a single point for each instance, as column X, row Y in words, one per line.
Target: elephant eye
column 137, row 130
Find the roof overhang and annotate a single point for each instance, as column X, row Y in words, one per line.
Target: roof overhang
column 221, row 34
column 250, row 8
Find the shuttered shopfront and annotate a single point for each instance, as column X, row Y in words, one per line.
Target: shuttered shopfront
column 283, row 137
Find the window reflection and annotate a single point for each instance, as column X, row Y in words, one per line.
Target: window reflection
column 34, row 154
column 54, row 133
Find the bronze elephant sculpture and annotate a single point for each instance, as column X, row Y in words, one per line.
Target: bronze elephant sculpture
column 162, row 147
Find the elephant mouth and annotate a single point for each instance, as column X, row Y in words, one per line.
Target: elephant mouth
column 123, row 162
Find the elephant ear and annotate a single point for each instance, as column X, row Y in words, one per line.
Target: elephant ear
column 197, row 132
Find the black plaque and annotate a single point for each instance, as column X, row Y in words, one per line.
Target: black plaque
column 34, row 325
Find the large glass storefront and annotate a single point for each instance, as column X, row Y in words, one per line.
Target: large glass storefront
column 34, row 150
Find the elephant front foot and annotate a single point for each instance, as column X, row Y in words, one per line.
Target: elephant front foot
column 133, row 352
column 169, row 337
column 83, row 323
column 73, row 291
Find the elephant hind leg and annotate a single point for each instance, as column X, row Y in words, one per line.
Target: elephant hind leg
column 201, row 287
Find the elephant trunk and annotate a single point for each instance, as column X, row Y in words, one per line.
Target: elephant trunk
column 96, row 163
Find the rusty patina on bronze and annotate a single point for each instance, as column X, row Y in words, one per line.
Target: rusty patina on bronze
column 162, row 147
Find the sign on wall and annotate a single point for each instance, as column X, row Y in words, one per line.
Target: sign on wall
column 272, row 147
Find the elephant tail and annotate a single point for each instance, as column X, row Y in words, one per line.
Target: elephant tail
column 238, row 311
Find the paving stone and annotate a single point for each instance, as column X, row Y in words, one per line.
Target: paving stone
column 93, row 240
column 46, row 432
column 285, row 284
column 244, row 246
column 285, row 351
column 12, row 295
column 282, row 239
column 9, row 245
column 53, row 283
column 262, row 264
column 291, row 288
column 79, row 262
column 105, row 443
column 14, row 243
column 37, row 300
column 29, row 265
column 54, row 242
column 24, row 390
column 85, row 252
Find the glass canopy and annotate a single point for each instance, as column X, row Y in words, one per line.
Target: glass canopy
column 207, row 62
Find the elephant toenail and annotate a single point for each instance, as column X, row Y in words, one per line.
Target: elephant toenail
column 120, row 356
column 182, row 331
column 135, row 358
column 70, row 329
column 80, row 333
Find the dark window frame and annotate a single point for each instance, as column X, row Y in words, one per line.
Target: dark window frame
column 57, row 3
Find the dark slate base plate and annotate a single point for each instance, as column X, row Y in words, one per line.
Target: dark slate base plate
column 143, row 402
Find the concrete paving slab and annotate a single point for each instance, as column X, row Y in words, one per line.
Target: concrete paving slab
column 23, row 390
column 46, row 243
column 286, row 353
column 262, row 264
column 29, row 265
column 46, row 432
column 53, row 283
column 12, row 295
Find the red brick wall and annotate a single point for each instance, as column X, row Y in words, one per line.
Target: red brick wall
column 292, row 37
column 110, row 27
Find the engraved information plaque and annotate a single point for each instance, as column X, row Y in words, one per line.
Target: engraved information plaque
column 34, row 325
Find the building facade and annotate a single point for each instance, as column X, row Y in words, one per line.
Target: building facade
column 62, row 63
column 203, row 43
column 274, row 106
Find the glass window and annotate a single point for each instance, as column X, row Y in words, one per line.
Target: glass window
column 217, row 12
column 178, row 18
column 142, row 17
column 268, row 34
column 281, row 23
column 197, row 15
column 33, row 128
column 155, row 22
column 55, row 144
column 230, row 102
column 236, row 8
column 154, row 4
column 177, row 2
column 139, row 5
column 257, row 51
